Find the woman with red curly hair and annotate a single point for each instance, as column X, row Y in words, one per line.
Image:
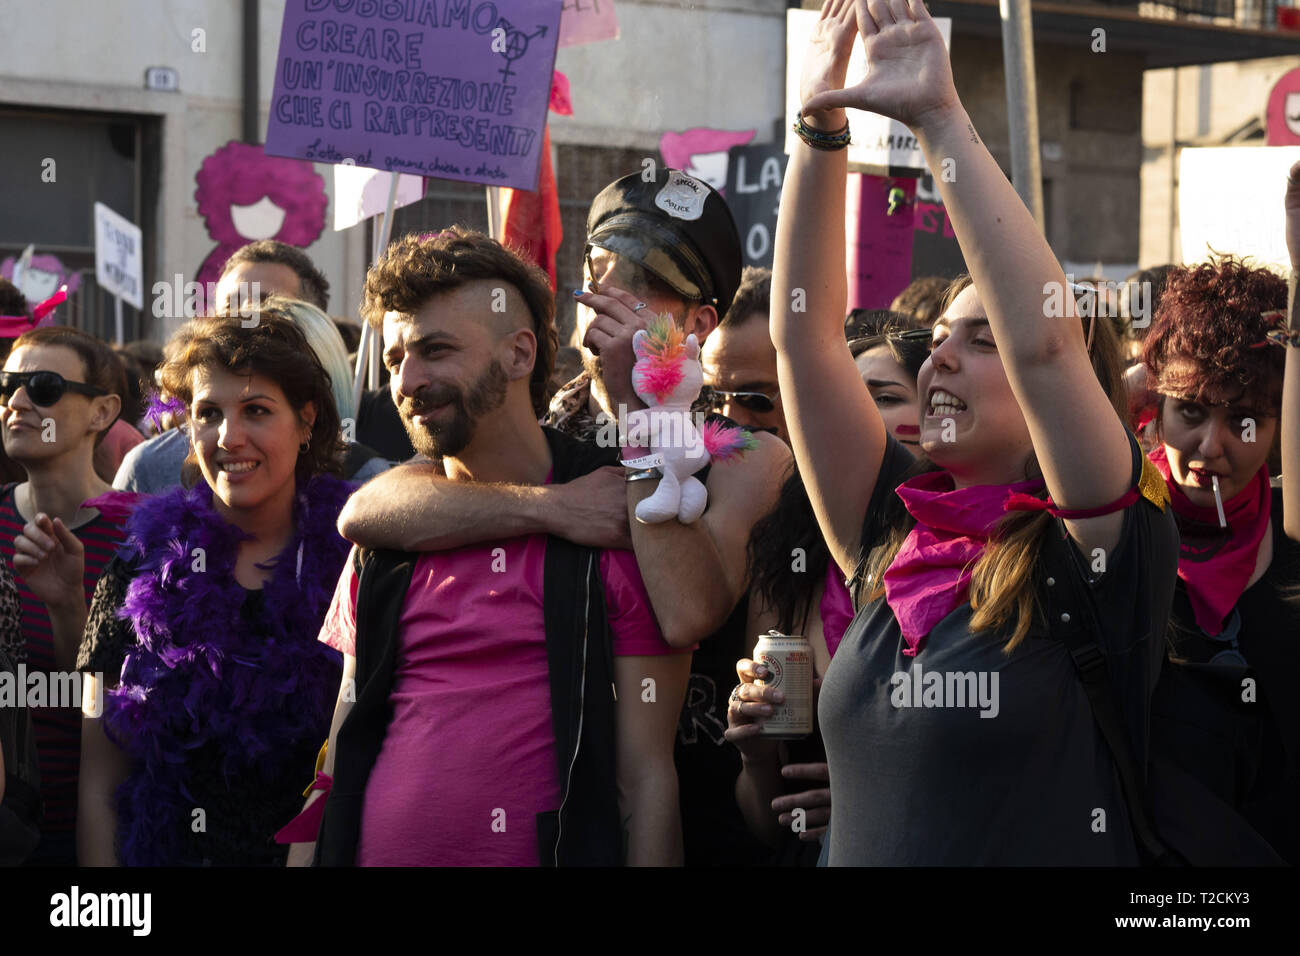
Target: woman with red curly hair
column 1224, row 710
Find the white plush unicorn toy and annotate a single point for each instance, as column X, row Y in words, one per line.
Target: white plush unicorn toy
column 667, row 377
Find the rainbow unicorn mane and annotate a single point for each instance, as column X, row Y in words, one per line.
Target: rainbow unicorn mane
column 660, row 358
column 725, row 443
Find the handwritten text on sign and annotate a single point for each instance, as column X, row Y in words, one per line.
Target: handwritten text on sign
column 118, row 255
column 456, row 89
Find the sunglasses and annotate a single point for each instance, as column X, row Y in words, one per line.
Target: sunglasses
column 43, row 388
column 754, row 401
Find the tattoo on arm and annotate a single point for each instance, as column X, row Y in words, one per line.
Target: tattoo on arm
column 971, row 128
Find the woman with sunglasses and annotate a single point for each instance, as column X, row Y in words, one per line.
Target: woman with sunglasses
column 60, row 396
column 207, row 622
column 1223, row 362
column 1031, row 528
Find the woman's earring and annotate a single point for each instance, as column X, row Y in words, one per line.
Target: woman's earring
column 302, row 449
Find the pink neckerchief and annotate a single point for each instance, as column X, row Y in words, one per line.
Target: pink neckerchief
column 930, row 576
column 12, row 326
column 1214, row 563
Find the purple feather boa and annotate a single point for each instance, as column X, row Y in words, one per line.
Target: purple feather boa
column 199, row 677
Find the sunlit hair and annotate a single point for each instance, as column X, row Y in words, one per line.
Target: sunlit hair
column 1205, row 334
column 1002, row 588
column 276, row 350
column 416, row 268
column 326, row 341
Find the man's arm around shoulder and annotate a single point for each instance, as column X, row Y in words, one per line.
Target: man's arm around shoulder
column 695, row 574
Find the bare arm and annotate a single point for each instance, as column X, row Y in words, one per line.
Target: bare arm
column 416, row 508
column 300, row 854
column 821, row 387
column 104, row 768
column 707, row 560
column 646, row 726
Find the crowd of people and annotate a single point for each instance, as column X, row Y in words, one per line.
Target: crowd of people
column 440, row 598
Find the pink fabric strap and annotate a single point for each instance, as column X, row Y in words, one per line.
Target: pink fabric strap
column 305, row 826
column 12, row 326
column 1022, row 502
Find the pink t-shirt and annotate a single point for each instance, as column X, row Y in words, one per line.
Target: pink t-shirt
column 469, row 758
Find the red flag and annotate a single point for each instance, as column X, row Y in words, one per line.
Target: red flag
column 532, row 219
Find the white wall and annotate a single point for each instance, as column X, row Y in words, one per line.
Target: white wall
column 677, row 65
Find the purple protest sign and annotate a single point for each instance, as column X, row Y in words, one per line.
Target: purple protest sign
column 586, row 21
column 452, row 89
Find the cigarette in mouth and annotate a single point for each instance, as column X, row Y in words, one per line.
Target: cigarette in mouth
column 1218, row 501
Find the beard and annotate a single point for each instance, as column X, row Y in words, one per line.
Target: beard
column 450, row 437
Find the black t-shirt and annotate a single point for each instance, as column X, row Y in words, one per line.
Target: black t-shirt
column 1241, row 744
column 934, row 781
column 714, row 832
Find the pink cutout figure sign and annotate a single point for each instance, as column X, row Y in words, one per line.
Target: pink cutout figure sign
column 245, row 195
column 702, row 152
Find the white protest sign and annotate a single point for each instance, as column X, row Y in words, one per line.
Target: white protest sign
column 878, row 142
column 360, row 193
column 1230, row 200
column 119, row 256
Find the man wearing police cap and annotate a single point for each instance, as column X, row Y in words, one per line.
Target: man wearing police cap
column 669, row 244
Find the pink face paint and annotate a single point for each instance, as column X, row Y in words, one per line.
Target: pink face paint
column 1218, row 502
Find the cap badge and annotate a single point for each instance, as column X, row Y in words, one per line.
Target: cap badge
column 682, row 197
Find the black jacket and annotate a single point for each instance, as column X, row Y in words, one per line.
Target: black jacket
column 585, row 830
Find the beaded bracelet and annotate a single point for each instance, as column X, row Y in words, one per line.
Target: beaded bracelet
column 818, row 139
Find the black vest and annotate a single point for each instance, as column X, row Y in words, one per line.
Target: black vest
column 585, row 830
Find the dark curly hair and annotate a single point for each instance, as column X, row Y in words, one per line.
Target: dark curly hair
column 275, row 349
column 1211, row 315
column 416, row 268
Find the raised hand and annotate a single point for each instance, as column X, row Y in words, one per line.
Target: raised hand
column 829, row 47
column 50, row 559
column 908, row 74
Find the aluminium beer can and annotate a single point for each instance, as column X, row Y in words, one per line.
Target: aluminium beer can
column 789, row 661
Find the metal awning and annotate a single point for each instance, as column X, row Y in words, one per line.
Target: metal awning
column 1164, row 42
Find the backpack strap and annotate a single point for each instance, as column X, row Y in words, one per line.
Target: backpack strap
column 1090, row 665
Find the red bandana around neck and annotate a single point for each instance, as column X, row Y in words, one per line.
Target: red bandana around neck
column 1216, row 563
column 930, row 576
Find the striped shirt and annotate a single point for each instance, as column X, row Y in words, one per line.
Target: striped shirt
column 58, row 730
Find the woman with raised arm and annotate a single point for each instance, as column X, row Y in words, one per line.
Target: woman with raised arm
column 956, row 729
column 205, row 626
column 1222, row 358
